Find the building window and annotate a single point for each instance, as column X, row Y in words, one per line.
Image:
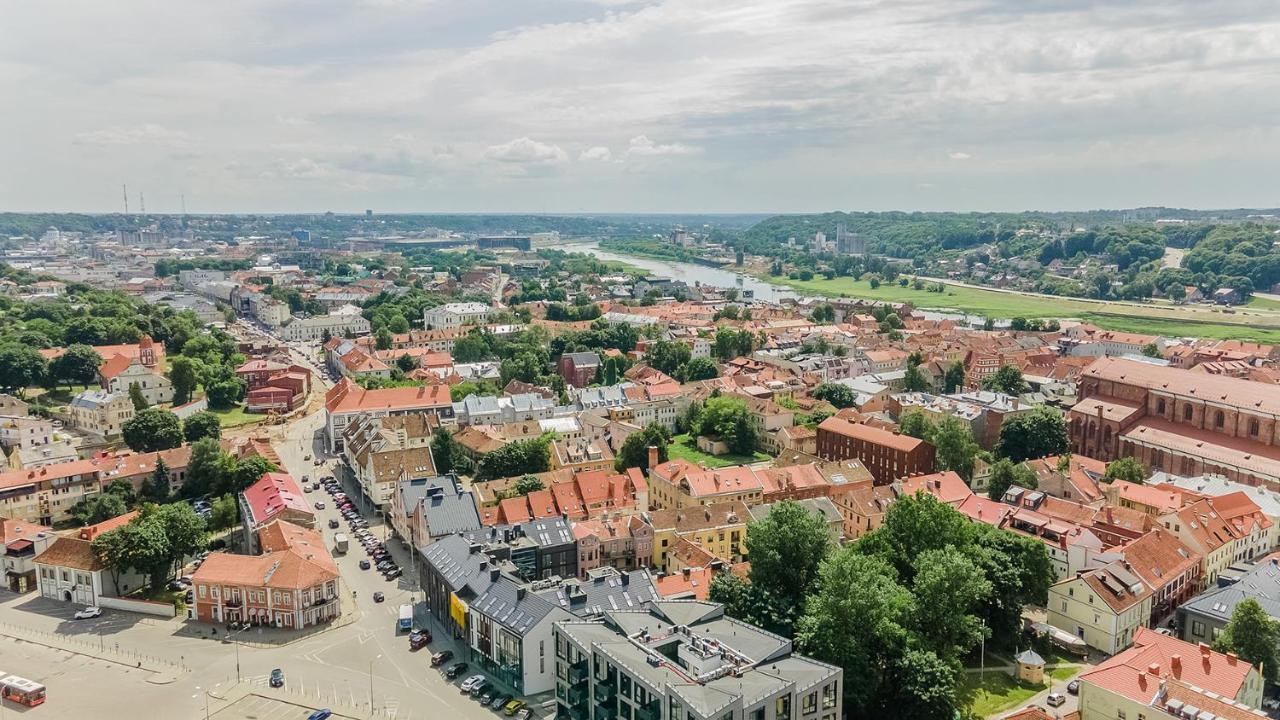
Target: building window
column 782, row 708
column 1253, row 427
column 1219, row 419
column 810, row 703
column 1197, row 628
column 1186, row 413
column 1160, row 406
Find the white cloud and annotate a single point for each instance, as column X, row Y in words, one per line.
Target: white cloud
column 641, row 145
column 146, row 134
column 597, row 153
column 527, row 151
column 857, row 94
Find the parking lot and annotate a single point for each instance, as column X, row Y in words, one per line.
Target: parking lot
column 260, row 707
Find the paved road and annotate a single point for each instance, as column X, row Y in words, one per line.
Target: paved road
column 365, row 663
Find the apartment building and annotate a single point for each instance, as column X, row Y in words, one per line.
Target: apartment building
column 293, row 584
column 1103, row 606
column 720, row 528
column 100, row 412
column 681, row 484
column 452, row 315
column 887, row 455
column 685, row 659
column 1162, row 676
column 347, row 400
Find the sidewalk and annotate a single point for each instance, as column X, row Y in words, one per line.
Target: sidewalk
column 163, row 671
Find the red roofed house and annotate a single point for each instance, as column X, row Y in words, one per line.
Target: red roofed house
column 1168, row 675
column 20, row 543
column 69, row 571
column 89, row 533
column 887, row 455
column 346, row 400
column 275, row 496
column 1103, row 606
column 294, row 584
column 623, row 542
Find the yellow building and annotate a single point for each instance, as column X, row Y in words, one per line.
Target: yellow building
column 1160, row 676
column 720, row 529
column 681, row 484
column 1104, row 607
column 1206, row 532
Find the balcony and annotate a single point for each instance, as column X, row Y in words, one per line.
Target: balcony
column 651, row 711
column 233, row 602
column 605, row 692
column 576, row 696
column 578, row 672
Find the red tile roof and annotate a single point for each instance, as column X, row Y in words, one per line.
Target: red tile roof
column 1236, row 392
column 272, row 494
column 72, row 553
column 866, row 433
column 89, row 532
column 1130, row 672
column 346, row 397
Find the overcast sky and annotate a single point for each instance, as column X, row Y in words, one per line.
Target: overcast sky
column 651, row 105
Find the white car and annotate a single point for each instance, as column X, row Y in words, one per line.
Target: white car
column 470, row 683
column 90, row 612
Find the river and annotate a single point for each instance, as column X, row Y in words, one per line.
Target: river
column 690, row 273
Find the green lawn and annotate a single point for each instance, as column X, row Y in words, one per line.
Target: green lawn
column 985, row 694
column 60, row 395
column 1194, row 320
column 683, row 447
column 1263, row 303
column 1064, row 672
column 237, row 417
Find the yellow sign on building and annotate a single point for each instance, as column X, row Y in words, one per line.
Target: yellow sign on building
column 457, row 610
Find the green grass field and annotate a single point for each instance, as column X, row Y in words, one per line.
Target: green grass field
column 237, row 417
column 985, row 694
column 683, row 447
column 1258, row 303
column 1160, row 319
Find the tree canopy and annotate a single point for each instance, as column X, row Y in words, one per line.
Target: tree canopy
column 152, row 429
column 1035, row 434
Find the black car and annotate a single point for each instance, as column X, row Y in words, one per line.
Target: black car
column 441, row 658
column 379, row 597
column 487, row 697
column 277, row 678
column 455, row 669
column 334, row 524
column 499, row 701
column 364, row 565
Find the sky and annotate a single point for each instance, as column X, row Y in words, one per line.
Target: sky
column 638, row 105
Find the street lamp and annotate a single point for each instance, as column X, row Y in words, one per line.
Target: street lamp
column 379, row 657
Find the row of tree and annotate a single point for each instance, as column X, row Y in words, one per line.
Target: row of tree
column 899, row 608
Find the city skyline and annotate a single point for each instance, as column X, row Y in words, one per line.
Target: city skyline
column 640, row 107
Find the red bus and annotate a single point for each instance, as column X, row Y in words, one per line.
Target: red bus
column 21, row 690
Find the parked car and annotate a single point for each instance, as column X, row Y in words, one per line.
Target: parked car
column 470, row 682
column 277, row 678
column 455, row 669
column 485, row 697
column 441, row 658
column 513, row 706
column 92, row 611
column 393, row 573
column 1073, row 687
column 379, row 597
column 417, row 641
column 1055, row 699
column 498, row 702
column 480, row 688
column 524, row 713
column 321, row 714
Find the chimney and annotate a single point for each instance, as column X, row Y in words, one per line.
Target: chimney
column 1232, row 658
column 1204, row 649
column 1154, row 669
column 520, row 593
column 494, row 574
column 686, row 572
column 1175, row 663
column 653, row 455
column 626, row 579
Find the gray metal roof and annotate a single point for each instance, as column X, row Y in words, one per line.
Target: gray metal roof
column 447, row 506
column 547, row 532
column 1262, row 583
column 584, row 359
column 605, row 590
